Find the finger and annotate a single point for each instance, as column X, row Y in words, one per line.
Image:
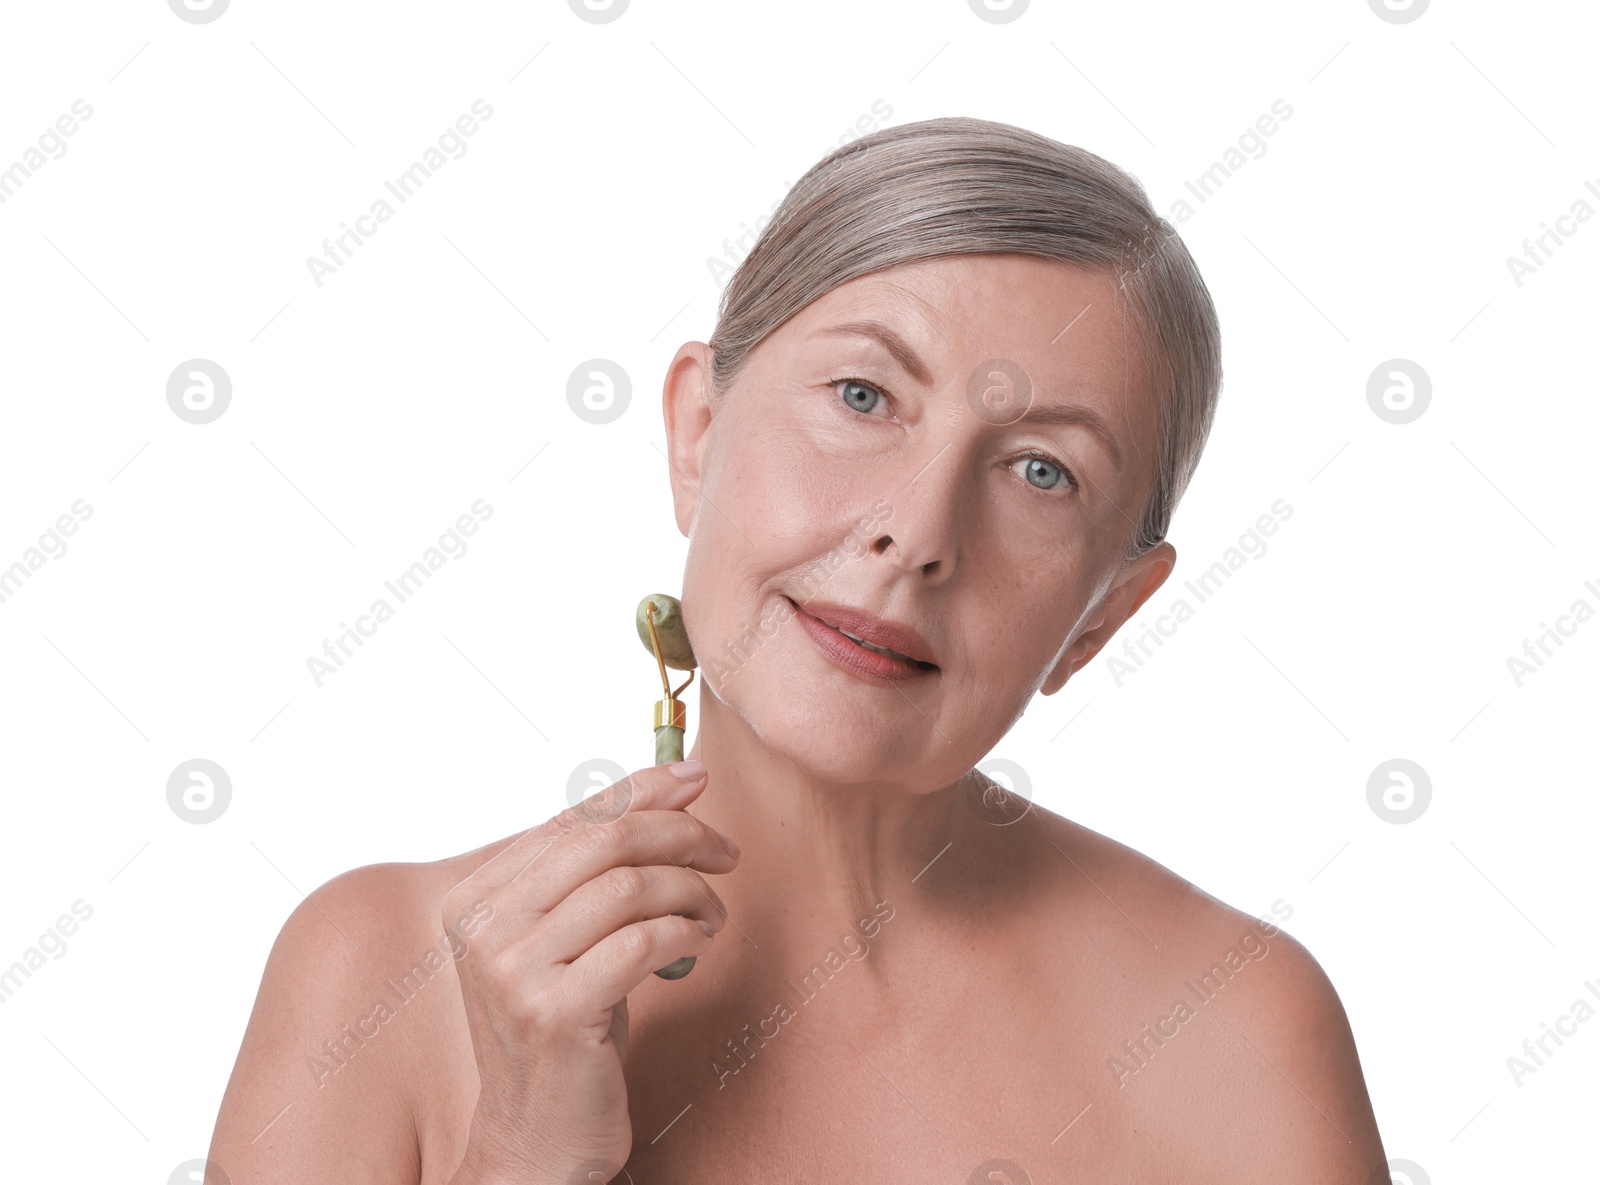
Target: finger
column 618, row 963
column 652, row 788
column 642, row 839
column 619, row 897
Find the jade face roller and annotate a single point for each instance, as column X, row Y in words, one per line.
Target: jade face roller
column 659, row 620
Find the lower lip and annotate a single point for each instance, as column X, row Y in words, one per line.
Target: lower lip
column 865, row 664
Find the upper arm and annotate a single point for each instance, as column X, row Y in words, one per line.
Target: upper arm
column 1309, row 1116
column 1254, row 1073
column 315, row 1092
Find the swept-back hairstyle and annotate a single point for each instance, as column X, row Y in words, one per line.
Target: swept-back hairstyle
column 959, row 186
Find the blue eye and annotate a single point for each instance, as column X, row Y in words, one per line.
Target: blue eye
column 858, row 395
column 1042, row 473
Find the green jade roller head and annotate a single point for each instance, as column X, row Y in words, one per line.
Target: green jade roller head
column 659, row 620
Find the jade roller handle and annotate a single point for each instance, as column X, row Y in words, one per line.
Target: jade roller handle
column 669, row 744
column 669, row 748
column 659, row 620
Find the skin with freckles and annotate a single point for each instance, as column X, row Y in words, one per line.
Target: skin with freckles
column 909, row 985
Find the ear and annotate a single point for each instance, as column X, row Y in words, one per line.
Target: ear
column 1133, row 587
column 686, row 406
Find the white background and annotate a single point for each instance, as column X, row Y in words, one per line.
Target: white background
column 370, row 411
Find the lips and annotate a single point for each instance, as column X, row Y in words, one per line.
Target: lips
column 865, row 645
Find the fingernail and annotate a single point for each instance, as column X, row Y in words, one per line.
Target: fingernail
column 710, row 930
column 733, row 848
column 688, row 770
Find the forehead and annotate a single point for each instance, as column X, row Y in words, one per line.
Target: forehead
column 1059, row 315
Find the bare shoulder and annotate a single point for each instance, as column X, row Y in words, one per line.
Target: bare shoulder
column 357, row 991
column 1228, row 1034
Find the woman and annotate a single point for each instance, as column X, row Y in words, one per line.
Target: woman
column 926, row 466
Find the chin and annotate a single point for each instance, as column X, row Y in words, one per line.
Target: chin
column 828, row 736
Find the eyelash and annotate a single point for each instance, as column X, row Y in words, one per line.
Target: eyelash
column 1031, row 454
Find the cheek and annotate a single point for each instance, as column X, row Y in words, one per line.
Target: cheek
column 781, row 499
column 1016, row 627
column 776, row 477
column 1000, row 655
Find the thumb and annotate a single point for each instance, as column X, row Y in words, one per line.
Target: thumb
column 619, row 1029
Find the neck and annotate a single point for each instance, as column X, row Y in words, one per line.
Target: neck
column 820, row 858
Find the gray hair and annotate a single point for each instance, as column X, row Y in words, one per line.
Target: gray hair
column 961, row 186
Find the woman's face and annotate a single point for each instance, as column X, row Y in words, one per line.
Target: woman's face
column 944, row 458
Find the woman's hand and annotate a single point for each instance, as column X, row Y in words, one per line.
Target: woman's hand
column 585, row 906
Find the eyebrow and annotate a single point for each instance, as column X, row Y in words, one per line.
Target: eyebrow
column 900, row 349
column 1085, row 417
column 889, row 340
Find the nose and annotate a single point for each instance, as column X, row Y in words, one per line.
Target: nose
column 921, row 532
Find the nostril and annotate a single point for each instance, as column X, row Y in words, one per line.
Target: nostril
column 883, row 544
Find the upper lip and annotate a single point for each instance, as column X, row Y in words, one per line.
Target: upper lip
column 892, row 635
